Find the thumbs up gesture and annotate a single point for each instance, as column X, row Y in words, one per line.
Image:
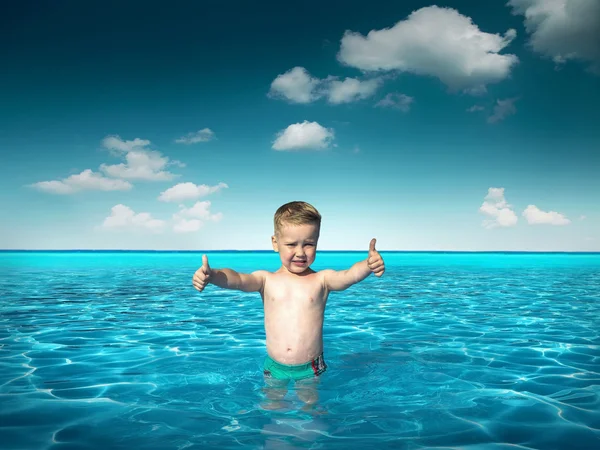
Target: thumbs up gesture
column 202, row 276
column 375, row 261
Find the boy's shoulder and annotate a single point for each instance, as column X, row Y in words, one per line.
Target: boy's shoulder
column 261, row 273
column 325, row 272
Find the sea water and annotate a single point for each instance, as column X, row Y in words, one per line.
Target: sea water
column 104, row 350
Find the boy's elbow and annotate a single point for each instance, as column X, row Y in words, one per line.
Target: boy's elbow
column 249, row 287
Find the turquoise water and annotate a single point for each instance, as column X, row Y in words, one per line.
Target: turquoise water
column 477, row 351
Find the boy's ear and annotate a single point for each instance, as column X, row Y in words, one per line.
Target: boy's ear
column 274, row 242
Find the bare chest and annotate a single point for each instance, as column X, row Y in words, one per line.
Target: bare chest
column 297, row 292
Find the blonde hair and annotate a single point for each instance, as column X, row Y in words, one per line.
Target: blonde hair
column 296, row 213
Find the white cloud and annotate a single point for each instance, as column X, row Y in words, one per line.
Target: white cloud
column 397, row 101
column 499, row 211
column 124, row 218
column 119, row 145
column 582, row 217
column 563, row 29
column 433, row 41
column 475, row 108
column 187, row 226
column 204, row 135
column 297, row 85
column 200, row 210
column 305, row 135
column 188, row 191
column 141, row 163
column 86, row 180
column 535, row 216
column 192, row 219
column 351, row 89
column 503, row 109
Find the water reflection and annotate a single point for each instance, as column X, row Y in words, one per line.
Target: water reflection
column 294, row 413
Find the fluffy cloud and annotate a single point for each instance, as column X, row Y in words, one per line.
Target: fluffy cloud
column 297, row 85
column 188, row 191
column 203, row 135
column 397, row 101
column 433, row 41
column 192, row 219
column 503, row 109
column 535, row 216
column 475, row 108
column 563, row 29
column 117, row 144
column 141, row 163
column 86, row 180
column 305, row 135
column 124, row 218
column 351, row 89
column 499, row 211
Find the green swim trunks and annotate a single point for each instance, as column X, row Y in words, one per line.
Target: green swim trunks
column 274, row 369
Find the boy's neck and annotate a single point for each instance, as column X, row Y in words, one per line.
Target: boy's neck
column 307, row 271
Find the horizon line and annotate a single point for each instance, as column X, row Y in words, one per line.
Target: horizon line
column 272, row 251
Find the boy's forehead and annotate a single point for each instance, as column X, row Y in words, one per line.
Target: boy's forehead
column 296, row 231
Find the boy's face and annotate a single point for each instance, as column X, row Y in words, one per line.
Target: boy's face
column 297, row 246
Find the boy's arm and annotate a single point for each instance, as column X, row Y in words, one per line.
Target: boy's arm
column 340, row 280
column 343, row 279
column 230, row 279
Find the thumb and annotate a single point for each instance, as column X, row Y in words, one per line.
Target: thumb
column 372, row 245
column 205, row 265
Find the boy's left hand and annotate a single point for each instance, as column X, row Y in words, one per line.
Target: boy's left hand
column 375, row 261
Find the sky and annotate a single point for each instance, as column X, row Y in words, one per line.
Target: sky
column 184, row 125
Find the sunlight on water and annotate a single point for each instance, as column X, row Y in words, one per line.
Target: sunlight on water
column 117, row 350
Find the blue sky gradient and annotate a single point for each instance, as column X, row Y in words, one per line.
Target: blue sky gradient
column 439, row 144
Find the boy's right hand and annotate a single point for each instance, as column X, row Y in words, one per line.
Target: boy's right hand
column 202, row 276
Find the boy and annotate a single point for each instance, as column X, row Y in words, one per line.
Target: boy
column 294, row 298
